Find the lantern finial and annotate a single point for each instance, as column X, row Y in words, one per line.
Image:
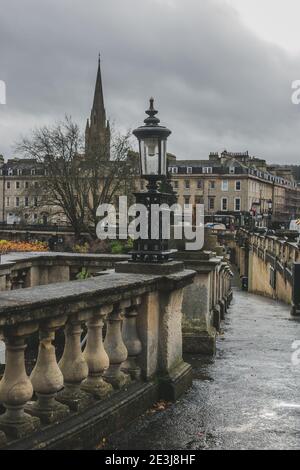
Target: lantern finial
column 152, row 120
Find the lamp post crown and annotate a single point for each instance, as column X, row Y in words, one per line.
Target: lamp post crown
column 151, row 120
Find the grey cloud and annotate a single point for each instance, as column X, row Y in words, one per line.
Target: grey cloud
column 216, row 85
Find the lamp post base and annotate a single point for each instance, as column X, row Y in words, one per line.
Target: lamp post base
column 131, row 267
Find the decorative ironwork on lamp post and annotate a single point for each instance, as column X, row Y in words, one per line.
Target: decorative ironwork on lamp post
column 152, row 139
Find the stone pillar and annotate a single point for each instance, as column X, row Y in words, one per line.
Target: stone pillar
column 96, row 356
column 15, row 386
column 175, row 376
column 115, row 347
column 46, row 377
column 131, row 340
column 74, row 366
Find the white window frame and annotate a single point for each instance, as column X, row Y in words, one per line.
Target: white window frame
column 189, row 170
column 223, row 184
column 207, row 170
column 240, row 201
column 222, row 207
column 214, row 204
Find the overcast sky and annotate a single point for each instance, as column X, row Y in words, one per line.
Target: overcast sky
column 220, row 70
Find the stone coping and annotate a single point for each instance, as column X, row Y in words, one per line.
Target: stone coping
column 27, row 259
column 65, row 298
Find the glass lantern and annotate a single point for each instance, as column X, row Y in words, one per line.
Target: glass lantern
column 153, row 146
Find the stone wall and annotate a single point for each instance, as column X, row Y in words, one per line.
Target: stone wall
column 268, row 262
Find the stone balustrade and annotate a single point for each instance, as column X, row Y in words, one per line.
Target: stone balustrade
column 131, row 358
column 206, row 301
column 21, row 270
column 268, row 261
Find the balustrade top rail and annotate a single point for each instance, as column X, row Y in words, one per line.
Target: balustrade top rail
column 46, row 255
column 279, row 246
column 68, row 298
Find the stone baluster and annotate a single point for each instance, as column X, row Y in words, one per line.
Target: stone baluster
column 115, row 347
column 96, row 356
column 74, row 366
column 46, row 377
column 8, row 282
column 15, row 386
column 131, row 340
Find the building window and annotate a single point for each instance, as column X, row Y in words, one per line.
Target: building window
column 199, row 184
column 207, row 169
column 232, row 170
column 237, row 185
column 32, row 172
column 19, row 171
column 224, row 204
column 212, row 185
column 17, row 201
column 8, row 184
column 26, row 201
column 187, row 184
column 211, row 203
column 17, row 184
column 35, row 216
column 199, row 200
column 35, row 201
column 7, row 202
column 10, row 172
column 26, row 184
column 189, row 170
column 176, row 184
column 187, row 200
column 237, row 204
column 225, row 185
column 173, row 169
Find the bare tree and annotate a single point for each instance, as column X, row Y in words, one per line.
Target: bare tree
column 112, row 170
column 77, row 183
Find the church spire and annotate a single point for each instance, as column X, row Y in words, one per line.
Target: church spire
column 98, row 110
column 97, row 131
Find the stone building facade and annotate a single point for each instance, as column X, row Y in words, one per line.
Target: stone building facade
column 21, row 194
column 235, row 183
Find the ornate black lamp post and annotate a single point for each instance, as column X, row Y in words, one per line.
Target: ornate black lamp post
column 153, row 165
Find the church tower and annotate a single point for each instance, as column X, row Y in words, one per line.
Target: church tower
column 97, row 131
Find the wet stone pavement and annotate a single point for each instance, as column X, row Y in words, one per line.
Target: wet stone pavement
column 248, row 397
